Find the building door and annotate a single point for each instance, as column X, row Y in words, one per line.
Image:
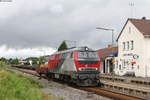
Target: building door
column 111, row 66
column 104, row 67
column 108, row 66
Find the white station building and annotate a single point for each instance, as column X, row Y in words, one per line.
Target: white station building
column 134, row 48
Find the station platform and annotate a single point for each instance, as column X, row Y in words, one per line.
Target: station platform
column 133, row 86
column 128, row 80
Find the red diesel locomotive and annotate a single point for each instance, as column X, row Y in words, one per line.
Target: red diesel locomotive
column 78, row 65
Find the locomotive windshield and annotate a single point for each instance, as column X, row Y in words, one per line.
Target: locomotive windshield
column 87, row 57
column 87, row 54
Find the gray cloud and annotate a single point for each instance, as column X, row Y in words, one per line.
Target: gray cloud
column 48, row 23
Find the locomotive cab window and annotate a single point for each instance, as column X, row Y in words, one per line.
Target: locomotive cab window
column 88, row 57
column 87, row 54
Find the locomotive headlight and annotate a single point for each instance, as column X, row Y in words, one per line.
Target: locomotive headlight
column 86, row 48
column 96, row 68
column 80, row 69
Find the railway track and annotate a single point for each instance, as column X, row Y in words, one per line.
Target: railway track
column 113, row 95
column 28, row 71
column 96, row 90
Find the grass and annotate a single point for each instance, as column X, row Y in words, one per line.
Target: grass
column 17, row 87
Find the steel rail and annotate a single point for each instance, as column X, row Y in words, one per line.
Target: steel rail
column 113, row 95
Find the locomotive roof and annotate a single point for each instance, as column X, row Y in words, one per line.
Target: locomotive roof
column 74, row 49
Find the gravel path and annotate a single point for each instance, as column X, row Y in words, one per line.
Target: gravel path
column 64, row 92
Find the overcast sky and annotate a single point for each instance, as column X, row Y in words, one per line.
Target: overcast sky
column 32, row 25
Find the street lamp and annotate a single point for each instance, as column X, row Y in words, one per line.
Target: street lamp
column 112, row 30
column 108, row 29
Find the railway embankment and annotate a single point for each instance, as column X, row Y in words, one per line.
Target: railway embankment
column 15, row 86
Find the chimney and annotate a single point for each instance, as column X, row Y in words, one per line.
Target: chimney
column 144, row 18
column 109, row 46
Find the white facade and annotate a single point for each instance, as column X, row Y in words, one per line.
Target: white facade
column 133, row 52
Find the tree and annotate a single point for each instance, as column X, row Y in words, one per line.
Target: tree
column 42, row 60
column 3, row 59
column 63, row 46
column 10, row 60
column 14, row 61
column 34, row 60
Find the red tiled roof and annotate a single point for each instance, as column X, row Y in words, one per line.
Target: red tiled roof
column 103, row 53
column 143, row 25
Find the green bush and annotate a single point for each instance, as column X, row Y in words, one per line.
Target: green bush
column 2, row 64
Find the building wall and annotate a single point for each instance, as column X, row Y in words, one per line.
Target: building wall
column 132, row 60
column 102, row 67
column 147, row 57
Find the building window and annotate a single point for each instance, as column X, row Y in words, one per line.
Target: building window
column 132, row 45
column 122, row 64
column 117, row 64
column 124, row 45
column 138, row 67
column 114, row 66
column 129, row 29
column 132, row 67
column 128, row 46
column 119, row 67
